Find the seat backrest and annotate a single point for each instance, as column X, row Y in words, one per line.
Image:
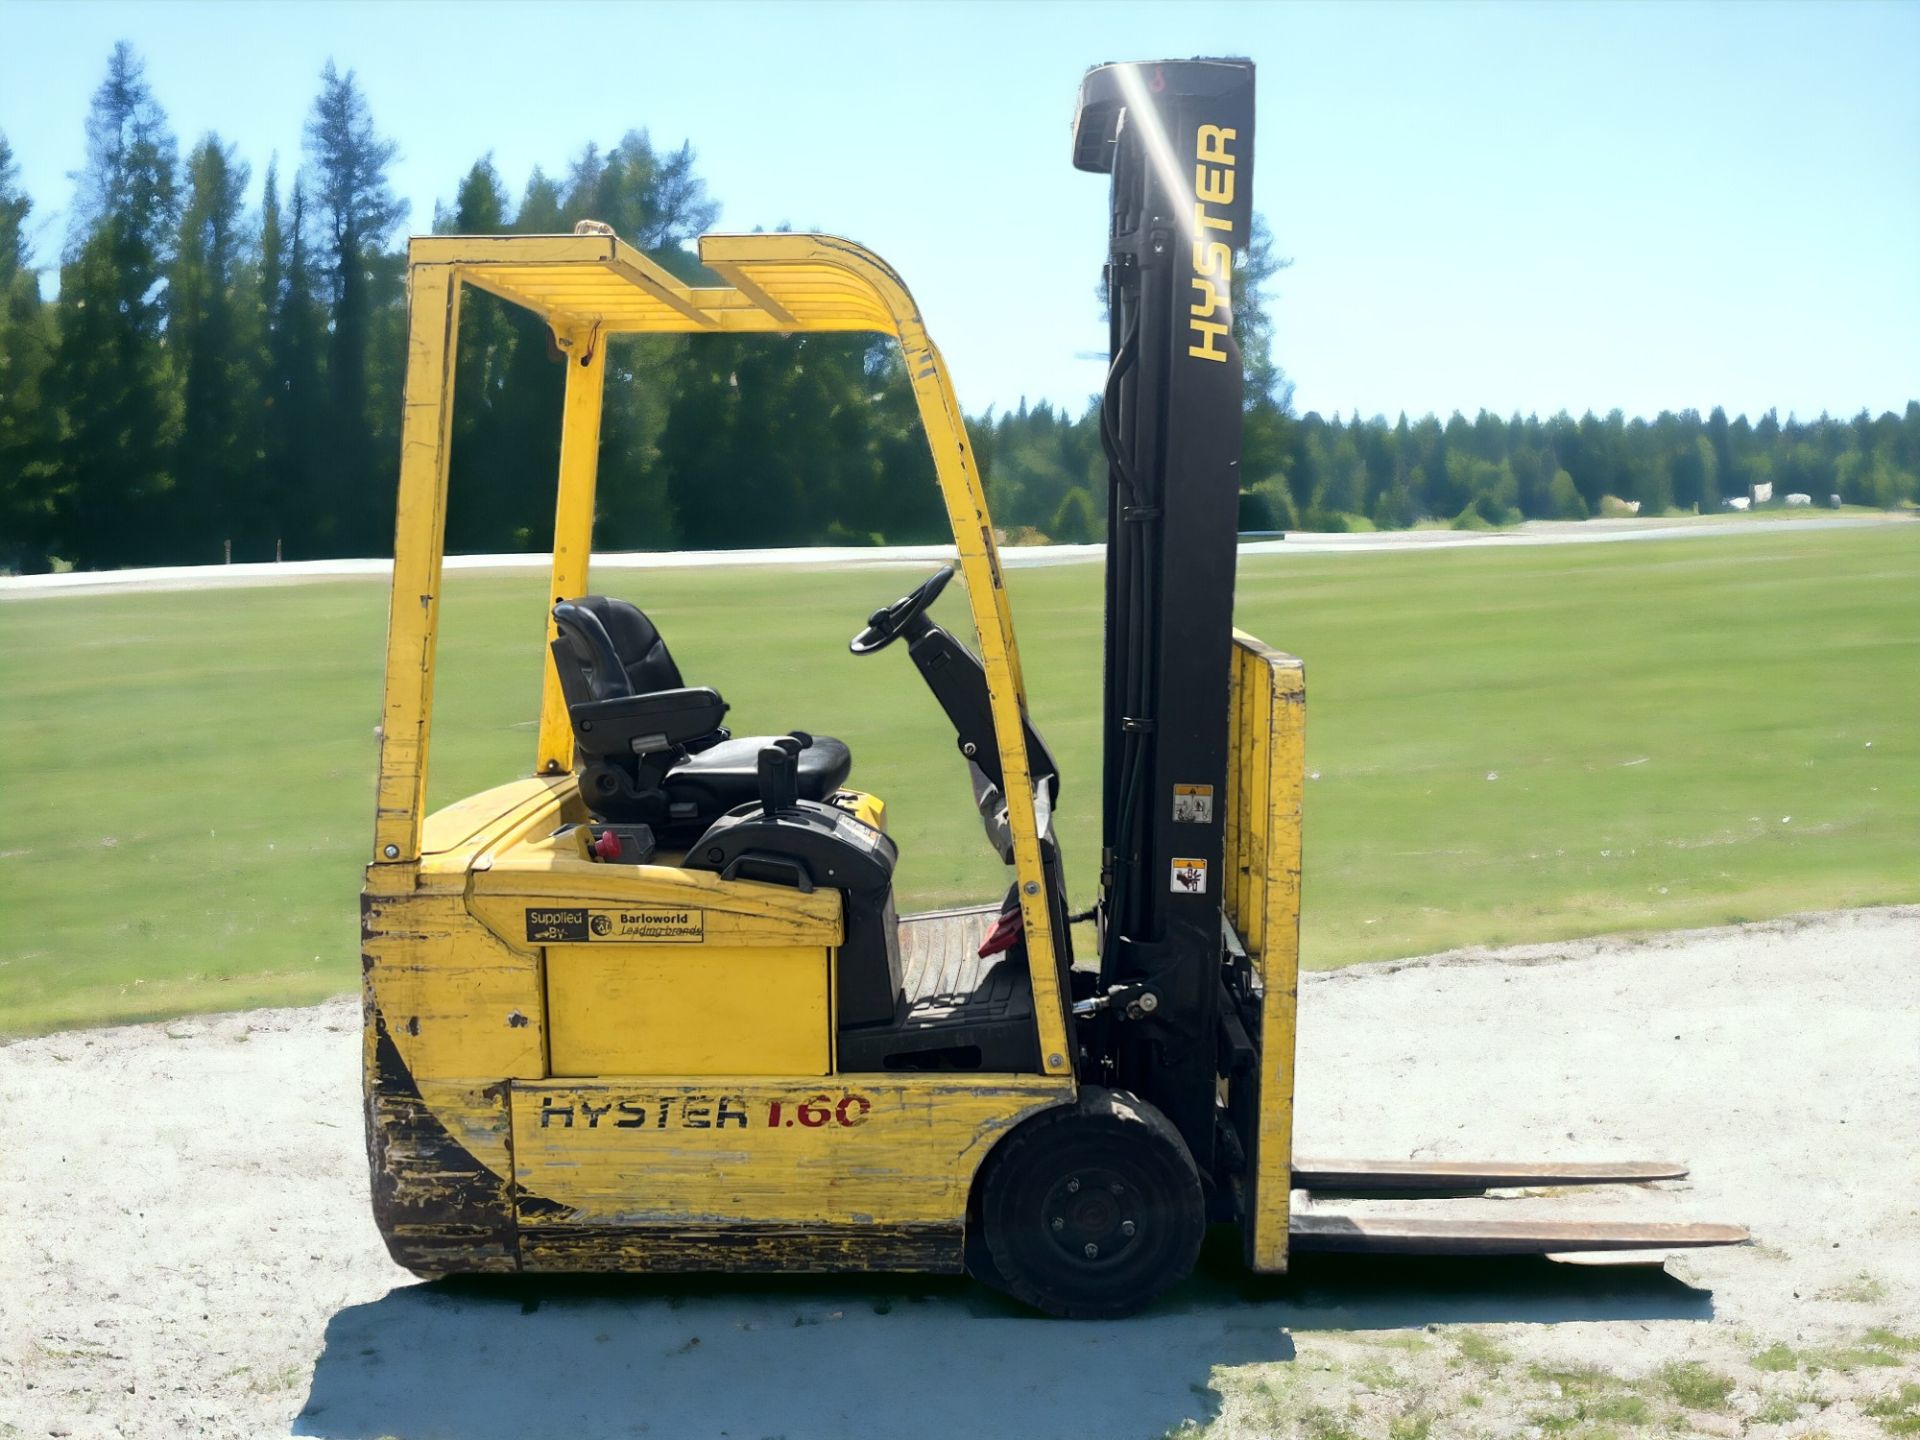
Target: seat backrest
column 584, row 657
column 640, row 651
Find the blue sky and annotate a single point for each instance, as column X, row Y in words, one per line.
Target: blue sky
column 1517, row 206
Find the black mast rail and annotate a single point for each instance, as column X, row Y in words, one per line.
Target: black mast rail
column 1177, row 138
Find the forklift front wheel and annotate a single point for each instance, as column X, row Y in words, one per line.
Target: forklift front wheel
column 1092, row 1210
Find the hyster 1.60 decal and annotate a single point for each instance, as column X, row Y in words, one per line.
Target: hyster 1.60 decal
column 636, row 925
column 703, row 1112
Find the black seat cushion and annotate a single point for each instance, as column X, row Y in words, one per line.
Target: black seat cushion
column 643, row 650
column 722, row 776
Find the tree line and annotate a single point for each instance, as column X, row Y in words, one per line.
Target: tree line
column 1490, row 471
column 214, row 382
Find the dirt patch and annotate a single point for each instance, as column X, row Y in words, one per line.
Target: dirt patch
column 189, row 1249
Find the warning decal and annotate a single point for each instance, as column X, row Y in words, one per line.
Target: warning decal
column 1189, row 877
column 571, row 924
column 1193, row 804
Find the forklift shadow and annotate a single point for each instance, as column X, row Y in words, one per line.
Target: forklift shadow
column 802, row 1358
column 806, row 1358
column 1351, row 1292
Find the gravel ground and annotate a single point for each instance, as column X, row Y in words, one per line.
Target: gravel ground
column 189, row 1250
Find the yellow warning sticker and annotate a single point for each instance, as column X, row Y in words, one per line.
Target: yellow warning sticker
column 1189, row 877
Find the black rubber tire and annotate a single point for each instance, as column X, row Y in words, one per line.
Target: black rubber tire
column 1109, row 1175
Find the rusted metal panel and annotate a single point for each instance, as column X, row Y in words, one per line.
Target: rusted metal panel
column 443, row 999
column 441, row 1207
column 661, row 1249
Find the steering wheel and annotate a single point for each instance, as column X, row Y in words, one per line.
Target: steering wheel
column 885, row 624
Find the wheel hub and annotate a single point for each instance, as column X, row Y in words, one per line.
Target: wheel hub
column 1092, row 1215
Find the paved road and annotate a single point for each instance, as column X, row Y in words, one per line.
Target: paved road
column 1538, row 532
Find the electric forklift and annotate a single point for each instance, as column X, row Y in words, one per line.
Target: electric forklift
column 651, row 1008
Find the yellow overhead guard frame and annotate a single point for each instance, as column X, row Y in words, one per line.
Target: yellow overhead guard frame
column 590, row 287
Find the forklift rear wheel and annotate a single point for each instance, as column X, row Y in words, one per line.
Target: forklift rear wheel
column 1092, row 1210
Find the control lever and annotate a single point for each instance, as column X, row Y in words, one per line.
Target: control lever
column 780, row 773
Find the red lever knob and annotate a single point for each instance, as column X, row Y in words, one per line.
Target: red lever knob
column 607, row 845
column 1007, row 932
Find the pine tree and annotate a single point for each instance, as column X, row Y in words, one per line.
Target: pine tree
column 582, row 190
column 270, row 269
column 906, row 496
column 218, row 455
column 657, row 207
column 489, row 497
column 528, row 407
column 26, row 421
column 386, row 390
column 15, row 206
column 1253, row 269
column 111, row 376
column 541, row 207
column 294, row 401
column 1564, row 502
column 356, row 212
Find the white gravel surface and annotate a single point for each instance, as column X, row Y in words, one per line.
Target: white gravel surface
column 188, row 1248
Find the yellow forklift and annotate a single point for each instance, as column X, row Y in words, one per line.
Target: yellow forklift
column 650, row 1007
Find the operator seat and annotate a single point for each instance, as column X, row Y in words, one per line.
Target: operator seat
column 655, row 750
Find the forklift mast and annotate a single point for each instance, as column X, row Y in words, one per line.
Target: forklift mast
column 1177, row 138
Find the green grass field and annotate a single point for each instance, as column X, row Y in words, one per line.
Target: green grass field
column 1505, row 745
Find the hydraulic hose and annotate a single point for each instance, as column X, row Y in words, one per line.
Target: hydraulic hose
column 1110, row 401
column 1136, row 581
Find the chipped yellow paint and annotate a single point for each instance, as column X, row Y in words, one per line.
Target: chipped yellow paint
column 441, row 1173
column 1264, row 788
column 853, row 1150
column 693, row 1009
column 477, row 1117
column 458, row 1003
